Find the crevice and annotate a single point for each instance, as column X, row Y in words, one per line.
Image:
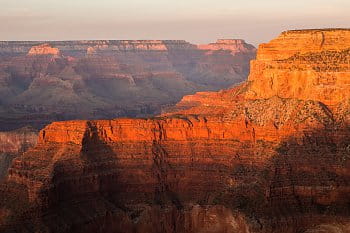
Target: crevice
column 161, row 168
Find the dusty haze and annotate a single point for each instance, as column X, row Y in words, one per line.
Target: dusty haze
column 197, row 21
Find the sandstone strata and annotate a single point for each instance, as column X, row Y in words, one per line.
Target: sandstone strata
column 226, row 161
column 62, row 80
column 13, row 144
column 308, row 65
column 232, row 45
column 43, row 49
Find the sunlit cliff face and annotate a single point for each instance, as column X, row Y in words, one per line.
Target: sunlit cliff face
column 306, row 64
column 43, row 49
column 43, row 82
column 237, row 160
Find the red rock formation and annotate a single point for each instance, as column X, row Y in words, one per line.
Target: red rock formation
column 220, row 162
column 17, row 140
column 43, row 49
column 295, row 65
column 232, row 45
column 308, row 65
column 106, row 79
column 14, row 143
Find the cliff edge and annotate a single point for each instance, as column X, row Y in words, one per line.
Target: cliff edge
column 255, row 158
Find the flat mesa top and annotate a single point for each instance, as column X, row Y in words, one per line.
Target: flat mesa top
column 316, row 30
column 93, row 42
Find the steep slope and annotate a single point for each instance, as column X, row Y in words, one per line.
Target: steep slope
column 14, row 143
column 220, row 162
column 43, row 82
column 301, row 64
column 318, row 72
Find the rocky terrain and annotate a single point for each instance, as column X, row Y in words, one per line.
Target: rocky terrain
column 41, row 82
column 13, row 144
column 275, row 159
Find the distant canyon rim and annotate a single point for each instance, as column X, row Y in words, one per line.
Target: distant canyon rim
column 270, row 154
column 43, row 82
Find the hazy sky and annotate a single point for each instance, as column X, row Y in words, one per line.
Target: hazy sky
column 197, row 21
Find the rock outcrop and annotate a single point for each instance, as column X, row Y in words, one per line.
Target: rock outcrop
column 308, row 65
column 13, row 144
column 232, row 45
column 295, row 65
column 43, row 49
column 221, row 162
column 45, row 82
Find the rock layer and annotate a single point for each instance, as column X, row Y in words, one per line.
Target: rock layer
column 233, row 45
column 43, row 82
column 43, row 49
column 13, row 144
column 308, row 65
column 225, row 161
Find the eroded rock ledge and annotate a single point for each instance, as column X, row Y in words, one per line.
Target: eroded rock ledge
column 42, row 82
column 240, row 160
column 43, row 49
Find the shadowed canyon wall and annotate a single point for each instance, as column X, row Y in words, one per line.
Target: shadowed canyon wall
column 238, row 160
column 14, row 143
column 43, row 82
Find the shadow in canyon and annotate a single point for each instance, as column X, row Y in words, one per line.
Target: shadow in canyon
column 304, row 182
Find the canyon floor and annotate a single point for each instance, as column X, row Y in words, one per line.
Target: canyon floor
column 271, row 154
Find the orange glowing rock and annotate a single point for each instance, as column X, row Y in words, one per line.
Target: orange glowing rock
column 305, row 64
column 259, row 149
column 43, row 49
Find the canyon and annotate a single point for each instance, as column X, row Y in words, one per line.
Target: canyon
column 50, row 81
column 13, row 144
column 271, row 154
